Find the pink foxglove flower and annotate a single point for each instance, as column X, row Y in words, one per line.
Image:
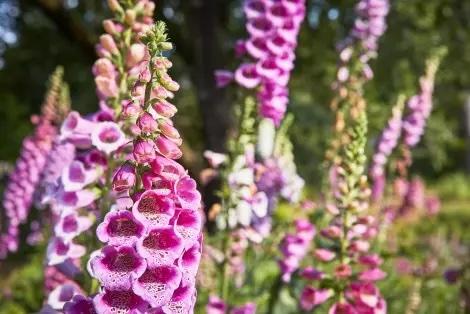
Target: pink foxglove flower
column 79, row 304
column 119, row 301
column 117, row 267
column 62, row 294
column 153, row 232
column 59, row 250
column 311, row 297
column 120, row 228
column 107, row 137
column 273, row 28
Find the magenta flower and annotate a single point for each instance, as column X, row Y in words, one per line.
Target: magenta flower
column 124, row 178
column 161, row 246
column 79, row 305
column 74, row 124
column 216, row 305
column 187, row 224
column 119, row 302
column 70, row 225
column 248, row 308
column 120, row 227
column 189, row 263
column 167, row 168
column 223, row 78
column 182, row 301
column 187, row 194
column 157, row 285
column 144, row 151
column 76, row 199
column 59, row 250
column 62, row 294
column 153, row 208
column 75, row 177
column 168, row 148
column 324, row 255
column 247, row 76
column 107, row 137
column 312, row 297
column 373, row 274
column 116, row 267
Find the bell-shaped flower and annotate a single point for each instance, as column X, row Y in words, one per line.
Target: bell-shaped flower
column 120, row 227
column 108, row 302
column 189, row 263
column 260, row 27
column 182, row 301
column 216, row 305
column 223, row 78
column 161, row 246
column 247, row 76
column 153, row 208
column 168, row 148
column 79, row 304
column 278, row 13
column 106, row 87
column 124, row 178
column 116, row 267
column 74, row 123
column 374, row 274
column 324, row 255
column 76, row 199
column 342, row 308
column 157, row 285
column 215, row 159
column 144, row 151
column 187, row 194
column 248, row 308
column 312, row 297
column 257, row 48
column 70, row 225
column 147, row 123
column 188, row 223
column 62, row 294
column 59, row 250
column 108, row 137
column 255, row 8
column 167, row 168
column 105, row 68
column 75, row 177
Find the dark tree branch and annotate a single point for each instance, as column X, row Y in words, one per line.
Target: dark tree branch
column 70, row 27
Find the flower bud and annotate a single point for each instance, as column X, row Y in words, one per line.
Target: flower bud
column 130, row 110
column 108, row 43
column 149, row 8
column 169, row 83
column 144, row 151
column 166, row 46
column 130, row 16
column 167, row 148
column 165, row 109
column 135, row 55
column 147, row 123
column 114, row 5
column 124, row 179
column 109, row 27
column 169, row 130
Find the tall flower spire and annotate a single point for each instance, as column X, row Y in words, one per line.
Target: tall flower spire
column 24, row 179
column 153, row 238
column 273, row 27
